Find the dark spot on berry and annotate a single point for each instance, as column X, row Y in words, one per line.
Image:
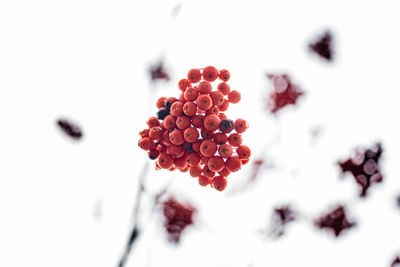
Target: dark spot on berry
column 335, row 220
column 70, row 128
column 226, row 126
column 162, row 113
column 168, row 105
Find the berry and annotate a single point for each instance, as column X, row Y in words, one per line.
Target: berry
column 220, row 138
column 193, row 159
column 206, row 134
column 224, row 88
column 204, row 102
column 181, row 162
column 204, row 160
column 217, row 98
column 224, row 75
column 224, row 106
column 155, row 133
column 175, row 151
column 144, row 133
column 207, row 172
column 183, row 84
column 234, row 97
column 165, row 161
column 225, row 151
column 176, row 137
column 191, row 94
column 204, row 180
column 182, row 122
column 224, row 172
column 194, row 75
column 198, row 121
column 162, row 113
column 169, row 122
column 161, row 102
column 208, row 148
column 205, row 87
column 196, row 146
column 210, row 73
column 243, row 152
column 235, row 139
column 212, row 122
column 153, row 122
column 195, row 171
column 222, row 116
column 189, row 109
column 216, row 163
column 233, row 164
column 176, row 108
column 219, row 183
column 146, row 143
column 241, row 125
column 226, row 126
column 213, row 110
column 153, row 153
column 191, row 135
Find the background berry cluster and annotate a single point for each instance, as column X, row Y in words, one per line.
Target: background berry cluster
column 193, row 134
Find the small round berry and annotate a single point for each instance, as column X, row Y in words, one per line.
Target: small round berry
column 191, row 94
column 222, row 116
column 226, row 126
column 204, row 102
column 235, row 139
column 161, row 102
column 206, row 134
column 216, row 164
column 155, row 133
column 213, row 110
column 184, row 169
column 193, row 159
column 204, row 180
column 207, row 172
column 224, row 106
column 189, row 109
column 176, row 108
column 194, row 75
column 182, row 98
column 212, row 122
column 183, row 84
column 220, row 138
column 165, row 161
column 170, row 100
column 181, row 162
column 153, row 153
column 153, row 122
column 145, row 132
column 182, row 122
column 198, row 121
column 160, row 148
column 175, row 151
column 234, row 97
column 224, row 75
column 219, row 183
column 195, row 171
column 165, row 138
column 224, row 172
column 204, row 160
column 241, row 125
column 245, row 161
column 208, row 148
column 146, row 143
column 225, row 151
column 233, row 164
column 224, row 88
column 243, row 152
column 205, row 87
column 169, row 122
column 217, row 98
column 176, row 137
column 196, row 146
column 191, row 135
column 210, row 73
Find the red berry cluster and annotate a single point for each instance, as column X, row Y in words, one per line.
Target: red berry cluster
column 193, row 134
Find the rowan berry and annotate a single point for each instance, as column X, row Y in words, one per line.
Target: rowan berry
column 235, row 139
column 217, row 98
column 195, row 171
column 234, row 97
column 176, row 137
column 181, row 162
column 205, row 87
column 183, row 84
column 146, row 143
column 207, row 172
column 176, row 108
column 189, row 109
column 145, row 132
column 191, row 135
column 224, row 106
column 245, row 161
column 206, row 134
column 170, row 100
column 193, row 159
column 219, row 183
column 224, row 172
column 204, row 180
column 196, row 146
column 216, row 164
column 182, row 98
column 165, row 161
column 165, row 138
column 153, row 153
column 220, row 138
column 198, row 121
column 224, row 88
column 184, row 169
column 162, row 113
column 169, row 122
column 204, row 102
column 243, row 152
column 182, row 122
column 224, row 75
column 161, row 102
column 204, row 160
column 156, row 133
column 210, row 73
column 190, row 94
column 213, row 110
column 233, row 164
column 225, row 151
column 153, row 122
column 208, row 148
column 222, row 116
column 194, row 75
column 241, row 125
column 175, row 151
column 212, row 122
column 226, row 126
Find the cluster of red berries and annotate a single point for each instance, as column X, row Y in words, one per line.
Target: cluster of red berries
column 193, row 134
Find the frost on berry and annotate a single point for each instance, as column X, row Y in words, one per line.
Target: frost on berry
column 284, row 93
column 396, row 262
column 335, row 221
column 70, row 129
column 282, row 216
column 158, row 72
column 364, row 166
column 177, row 216
column 323, row 46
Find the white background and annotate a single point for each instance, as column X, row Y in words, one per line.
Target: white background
column 88, row 61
